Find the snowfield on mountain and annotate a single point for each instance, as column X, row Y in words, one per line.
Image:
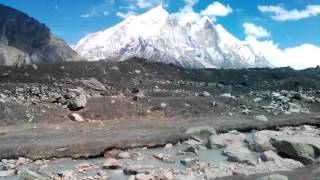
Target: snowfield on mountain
column 157, row 36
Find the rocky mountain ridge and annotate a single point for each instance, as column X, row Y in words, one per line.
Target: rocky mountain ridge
column 24, row 40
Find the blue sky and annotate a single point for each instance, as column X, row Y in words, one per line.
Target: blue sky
column 288, row 28
column 66, row 18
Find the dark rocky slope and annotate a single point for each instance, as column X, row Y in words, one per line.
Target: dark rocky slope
column 24, row 40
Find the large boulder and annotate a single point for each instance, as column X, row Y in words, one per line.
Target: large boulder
column 202, row 132
column 305, row 149
column 260, row 143
column 225, row 139
column 237, row 152
column 78, row 99
column 93, row 83
column 270, row 156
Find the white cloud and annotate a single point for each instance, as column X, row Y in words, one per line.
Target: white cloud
column 281, row 14
column 251, row 29
column 144, row 4
column 217, row 9
column 299, row 57
column 188, row 15
column 99, row 10
column 94, row 13
column 125, row 15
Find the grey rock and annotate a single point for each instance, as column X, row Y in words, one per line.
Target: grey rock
column 260, row 142
column 138, row 96
column 188, row 161
column 256, row 100
column 273, row 177
column 79, row 101
column 111, row 163
column 191, row 149
column 76, row 117
column 26, row 174
column 261, row 118
column 164, row 158
column 237, row 152
column 114, row 68
column 270, row 156
column 93, row 83
column 225, row 139
column 305, row 149
column 202, row 132
column 137, row 169
column 204, row 94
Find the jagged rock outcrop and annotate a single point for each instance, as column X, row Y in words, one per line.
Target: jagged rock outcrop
column 24, row 40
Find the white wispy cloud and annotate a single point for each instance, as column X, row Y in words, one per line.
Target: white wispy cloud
column 251, row 29
column 217, row 9
column 282, row 14
column 188, row 15
column 125, row 15
column 144, row 4
column 99, row 10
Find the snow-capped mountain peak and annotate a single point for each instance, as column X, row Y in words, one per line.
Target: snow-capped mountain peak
column 157, row 36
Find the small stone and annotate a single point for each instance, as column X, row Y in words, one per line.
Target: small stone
column 93, row 83
column 168, row 146
column 204, row 94
column 137, row 169
column 227, row 95
column 111, row 163
column 163, row 105
column 76, row 117
column 164, row 158
column 35, row 67
column 114, row 68
column 188, row 161
column 191, row 149
column 143, row 176
column 66, row 174
column 273, row 177
column 123, row 155
column 256, row 100
column 167, row 176
column 262, row 118
column 137, row 71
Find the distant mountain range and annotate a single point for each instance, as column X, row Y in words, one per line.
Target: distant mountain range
column 157, row 36
column 23, row 40
column 154, row 35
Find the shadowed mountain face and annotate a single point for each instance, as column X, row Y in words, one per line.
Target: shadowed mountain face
column 24, row 40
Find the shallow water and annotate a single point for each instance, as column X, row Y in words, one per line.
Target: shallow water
column 146, row 159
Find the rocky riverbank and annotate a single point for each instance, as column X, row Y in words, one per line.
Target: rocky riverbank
column 207, row 155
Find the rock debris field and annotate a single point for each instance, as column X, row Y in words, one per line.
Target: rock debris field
column 144, row 120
